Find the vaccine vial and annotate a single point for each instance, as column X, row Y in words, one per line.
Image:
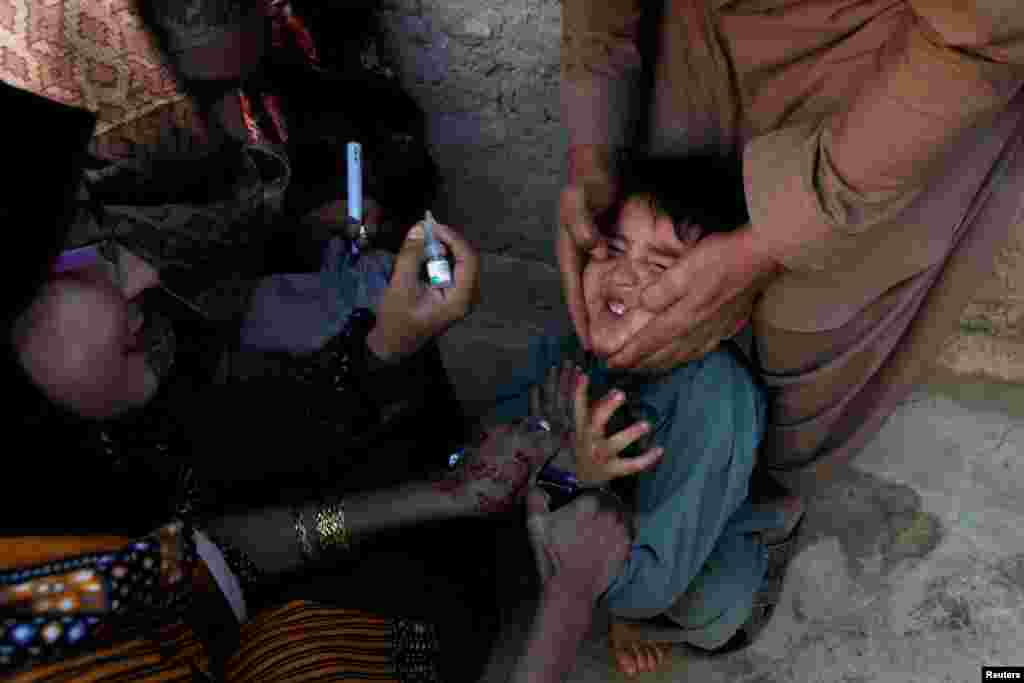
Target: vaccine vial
column 439, row 271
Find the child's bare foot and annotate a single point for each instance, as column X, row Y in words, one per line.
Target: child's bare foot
column 631, row 652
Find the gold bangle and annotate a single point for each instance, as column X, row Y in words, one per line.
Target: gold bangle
column 331, row 532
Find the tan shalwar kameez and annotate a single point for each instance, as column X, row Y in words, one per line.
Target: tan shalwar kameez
column 883, row 168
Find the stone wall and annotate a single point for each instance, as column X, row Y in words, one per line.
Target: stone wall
column 487, row 74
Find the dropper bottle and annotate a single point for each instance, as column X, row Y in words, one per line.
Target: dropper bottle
column 439, row 272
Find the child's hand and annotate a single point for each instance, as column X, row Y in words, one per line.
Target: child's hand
column 552, row 400
column 597, row 454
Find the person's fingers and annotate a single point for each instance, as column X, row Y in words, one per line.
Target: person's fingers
column 551, row 388
column 558, row 402
column 645, row 660
column 615, row 337
column 537, row 528
column 406, row 271
column 537, row 501
column 575, row 218
column 625, row 467
column 566, row 383
column 652, row 657
column 621, row 441
column 625, row 661
column 639, row 657
column 466, row 292
column 461, row 251
column 571, row 263
column 137, row 273
column 643, row 664
column 673, row 285
column 651, row 652
column 659, row 333
column 580, row 407
column 536, row 407
column 671, row 356
column 604, row 410
column 545, row 563
column 709, row 347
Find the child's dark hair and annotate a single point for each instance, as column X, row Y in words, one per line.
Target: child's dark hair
column 704, row 188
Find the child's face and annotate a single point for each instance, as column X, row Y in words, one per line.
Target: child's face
column 642, row 249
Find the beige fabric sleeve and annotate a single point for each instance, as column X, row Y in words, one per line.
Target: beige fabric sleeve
column 599, row 59
column 817, row 186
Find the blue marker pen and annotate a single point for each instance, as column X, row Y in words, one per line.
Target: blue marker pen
column 354, row 158
column 355, row 182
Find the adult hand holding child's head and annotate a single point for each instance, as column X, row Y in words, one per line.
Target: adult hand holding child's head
column 686, row 267
column 590, row 190
column 412, row 312
column 706, row 297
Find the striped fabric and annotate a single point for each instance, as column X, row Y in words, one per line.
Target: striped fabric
column 305, row 642
column 298, row 643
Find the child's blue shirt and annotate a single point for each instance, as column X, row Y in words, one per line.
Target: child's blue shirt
column 693, row 508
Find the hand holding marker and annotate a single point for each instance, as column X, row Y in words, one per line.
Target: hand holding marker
column 439, row 270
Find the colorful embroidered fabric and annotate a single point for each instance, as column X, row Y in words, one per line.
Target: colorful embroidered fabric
column 174, row 654
column 96, row 55
column 60, row 608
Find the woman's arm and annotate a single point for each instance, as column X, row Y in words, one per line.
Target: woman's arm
column 599, row 60
column 491, row 479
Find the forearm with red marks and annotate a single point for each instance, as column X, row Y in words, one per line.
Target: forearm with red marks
column 495, row 472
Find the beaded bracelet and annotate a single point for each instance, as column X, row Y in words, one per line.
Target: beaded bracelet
column 329, row 533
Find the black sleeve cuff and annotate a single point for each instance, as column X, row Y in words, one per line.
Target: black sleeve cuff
column 384, row 382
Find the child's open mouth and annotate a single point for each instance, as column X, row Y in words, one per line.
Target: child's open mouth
column 617, row 308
